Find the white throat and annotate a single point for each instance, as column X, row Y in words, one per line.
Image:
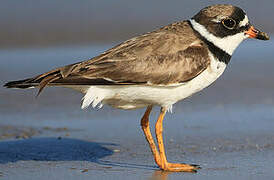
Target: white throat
column 227, row 44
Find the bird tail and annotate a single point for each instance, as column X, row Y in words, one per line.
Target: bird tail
column 39, row 81
column 21, row 84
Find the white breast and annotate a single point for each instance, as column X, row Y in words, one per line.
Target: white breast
column 138, row 96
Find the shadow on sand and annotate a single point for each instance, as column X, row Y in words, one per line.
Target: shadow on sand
column 52, row 149
column 64, row 149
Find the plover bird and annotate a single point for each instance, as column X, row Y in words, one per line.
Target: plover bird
column 158, row 68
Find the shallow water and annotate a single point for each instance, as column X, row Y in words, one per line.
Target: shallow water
column 227, row 128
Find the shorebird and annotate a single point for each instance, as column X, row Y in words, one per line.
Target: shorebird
column 158, row 68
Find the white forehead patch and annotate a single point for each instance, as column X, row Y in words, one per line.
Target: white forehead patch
column 218, row 19
column 244, row 22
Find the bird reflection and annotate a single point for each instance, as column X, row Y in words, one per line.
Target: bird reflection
column 159, row 175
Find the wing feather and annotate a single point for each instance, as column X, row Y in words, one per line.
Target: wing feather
column 170, row 55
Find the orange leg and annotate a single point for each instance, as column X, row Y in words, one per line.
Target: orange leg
column 149, row 138
column 164, row 165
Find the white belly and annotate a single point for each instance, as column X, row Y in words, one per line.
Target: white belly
column 138, row 96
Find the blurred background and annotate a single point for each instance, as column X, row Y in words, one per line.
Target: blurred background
column 226, row 128
column 51, row 22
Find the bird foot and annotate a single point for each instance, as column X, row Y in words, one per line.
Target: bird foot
column 175, row 167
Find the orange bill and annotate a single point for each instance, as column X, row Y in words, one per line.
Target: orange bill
column 254, row 33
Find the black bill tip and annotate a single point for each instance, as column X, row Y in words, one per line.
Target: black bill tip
column 263, row 36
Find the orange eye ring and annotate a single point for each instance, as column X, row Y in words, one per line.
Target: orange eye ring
column 229, row 23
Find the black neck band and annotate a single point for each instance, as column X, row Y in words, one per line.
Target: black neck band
column 220, row 54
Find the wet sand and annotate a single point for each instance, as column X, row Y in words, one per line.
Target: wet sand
column 227, row 128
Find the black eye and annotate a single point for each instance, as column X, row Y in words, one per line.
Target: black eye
column 229, row 23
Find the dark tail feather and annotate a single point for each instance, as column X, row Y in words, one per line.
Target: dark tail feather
column 40, row 81
column 46, row 80
column 22, row 84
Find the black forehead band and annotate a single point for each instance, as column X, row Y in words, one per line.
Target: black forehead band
column 238, row 14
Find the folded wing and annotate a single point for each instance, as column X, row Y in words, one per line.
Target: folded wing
column 167, row 56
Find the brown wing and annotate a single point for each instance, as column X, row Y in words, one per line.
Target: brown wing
column 161, row 69
column 172, row 54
